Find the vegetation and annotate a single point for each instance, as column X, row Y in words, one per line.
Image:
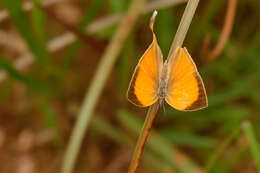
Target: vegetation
column 52, row 55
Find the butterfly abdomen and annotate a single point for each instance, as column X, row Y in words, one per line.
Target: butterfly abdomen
column 162, row 89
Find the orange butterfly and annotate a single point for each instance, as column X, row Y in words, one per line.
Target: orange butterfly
column 176, row 80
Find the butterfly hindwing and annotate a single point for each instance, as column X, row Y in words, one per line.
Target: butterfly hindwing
column 185, row 90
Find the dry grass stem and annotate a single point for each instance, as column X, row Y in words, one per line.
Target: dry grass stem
column 150, row 117
column 226, row 30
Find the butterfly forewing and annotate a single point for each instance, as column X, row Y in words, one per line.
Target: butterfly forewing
column 185, row 89
column 143, row 87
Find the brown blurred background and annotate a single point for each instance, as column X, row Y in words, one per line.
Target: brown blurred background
column 50, row 50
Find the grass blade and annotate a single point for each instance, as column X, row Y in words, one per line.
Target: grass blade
column 22, row 23
column 253, row 144
column 188, row 139
column 105, row 128
column 29, row 81
column 39, row 22
column 220, row 150
column 50, row 118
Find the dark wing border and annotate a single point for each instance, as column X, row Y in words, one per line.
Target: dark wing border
column 131, row 90
column 202, row 100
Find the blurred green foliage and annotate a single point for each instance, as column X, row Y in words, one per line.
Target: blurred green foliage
column 22, row 23
column 74, row 47
column 232, row 82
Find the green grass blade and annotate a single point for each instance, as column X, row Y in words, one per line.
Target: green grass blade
column 22, row 23
column 220, row 150
column 188, row 139
column 105, row 128
column 118, row 6
column 91, row 14
column 39, row 21
column 49, row 117
column 253, row 144
column 29, row 81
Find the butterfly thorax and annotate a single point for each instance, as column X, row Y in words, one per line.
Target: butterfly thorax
column 162, row 88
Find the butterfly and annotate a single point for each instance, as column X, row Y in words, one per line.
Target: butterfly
column 177, row 80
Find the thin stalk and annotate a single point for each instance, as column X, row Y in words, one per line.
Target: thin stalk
column 221, row 149
column 97, row 85
column 253, row 144
column 152, row 111
column 151, row 114
column 159, row 145
column 184, row 25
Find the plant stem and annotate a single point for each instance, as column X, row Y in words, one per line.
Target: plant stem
column 151, row 114
column 183, row 26
column 97, row 85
